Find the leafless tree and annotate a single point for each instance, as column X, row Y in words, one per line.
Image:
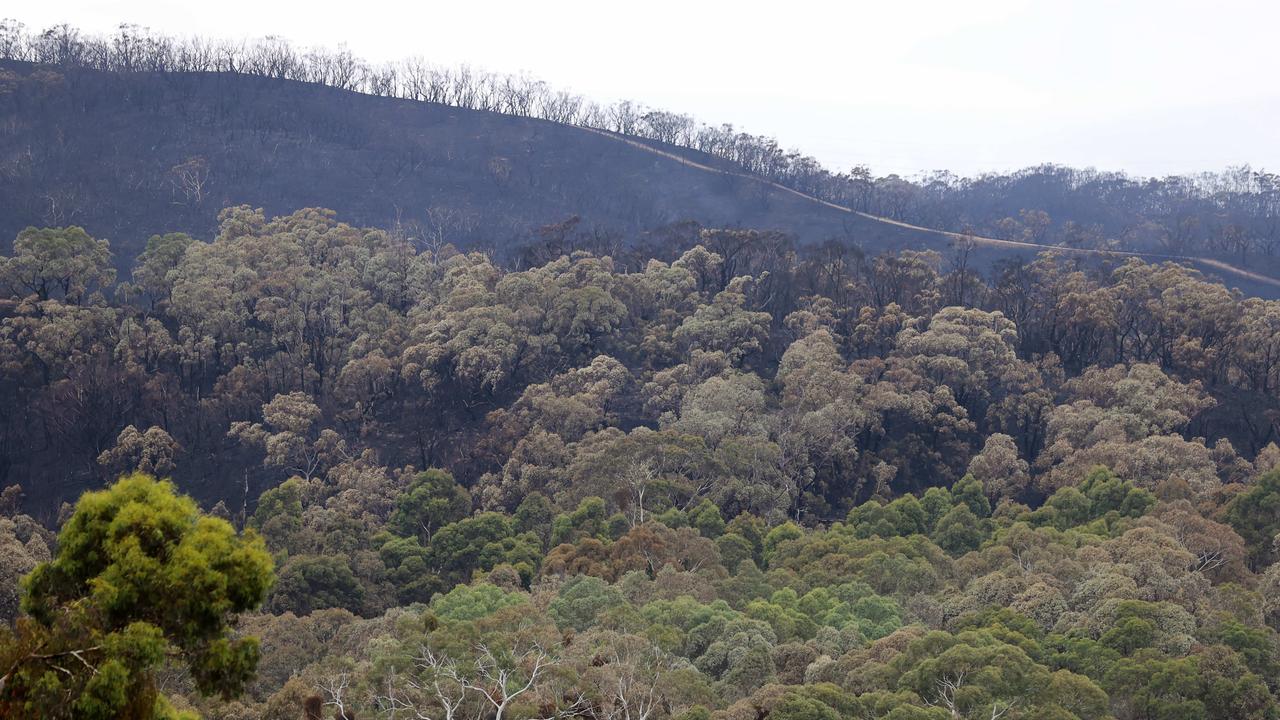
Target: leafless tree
column 636, row 671
column 447, row 224
column 436, row 681
column 638, row 477
column 335, row 688
column 502, row 679
column 190, row 178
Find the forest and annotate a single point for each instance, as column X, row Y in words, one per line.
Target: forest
column 306, row 469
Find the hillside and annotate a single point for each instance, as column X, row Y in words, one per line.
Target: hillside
column 129, row 155
column 99, row 150
column 769, row 488
column 322, row 399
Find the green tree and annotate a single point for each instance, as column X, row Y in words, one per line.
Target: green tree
column 959, row 531
column 65, row 261
column 432, row 501
column 409, row 569
column 481, row 542
column 279, row 514
column 312, row 582
column 471, row 602
column 587, row 520
column 535, row 515
column 1255, row 514
column 795, row 706
column 581, row 601
column 154, row 270
column 140, row 576
column 707, row 519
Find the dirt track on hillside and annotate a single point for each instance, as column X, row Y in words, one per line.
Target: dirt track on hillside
column 976, row 239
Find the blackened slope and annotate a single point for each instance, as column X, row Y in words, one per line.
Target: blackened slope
column 1252, row 283
column 98, row 150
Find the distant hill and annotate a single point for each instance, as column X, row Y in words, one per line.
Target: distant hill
column 128, row 155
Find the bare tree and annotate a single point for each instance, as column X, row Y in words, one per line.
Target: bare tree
column 638, row 477
column 335, row 688
column 631, row 677
column 190, row 178
column 446, row 684
column 436, row 691
column 439, row 688
column 501, row 678
column 446, row 225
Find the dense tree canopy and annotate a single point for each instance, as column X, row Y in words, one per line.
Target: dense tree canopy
column 744, row 481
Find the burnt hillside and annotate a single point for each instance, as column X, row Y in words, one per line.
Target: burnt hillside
column 130, row 155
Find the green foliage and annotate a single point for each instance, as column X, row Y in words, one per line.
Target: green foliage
column 1209, row 685
column 968, row 492
column 734, row 550
column 779, row 535
column 902, row 517
column 797, row 706
column 313, row 582
column 738, row 513
column 876, row 616
column 63, row 262
column 1080, row 654
column 587, row 520
column 753, row 530
column 535, row 515
column 154, row 270
column 1102, row 496
column 479, row 543
column 1256, row 646
column 140, row 575
column 959, row 531
column 973, row 673
column 472, row 602
column 674, row 518
column 1255, row 514
column 952, row 518
column 706, row 519
column 409, row 569
column 581, row 602
column 431, row 501
column 279, row 514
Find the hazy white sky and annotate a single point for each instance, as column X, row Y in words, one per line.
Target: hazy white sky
column 1150, row 86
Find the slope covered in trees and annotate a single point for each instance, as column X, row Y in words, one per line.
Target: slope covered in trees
column 751, row 482
column 308, row 341
column 689, row 442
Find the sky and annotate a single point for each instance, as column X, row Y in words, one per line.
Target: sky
column 1148, row 87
